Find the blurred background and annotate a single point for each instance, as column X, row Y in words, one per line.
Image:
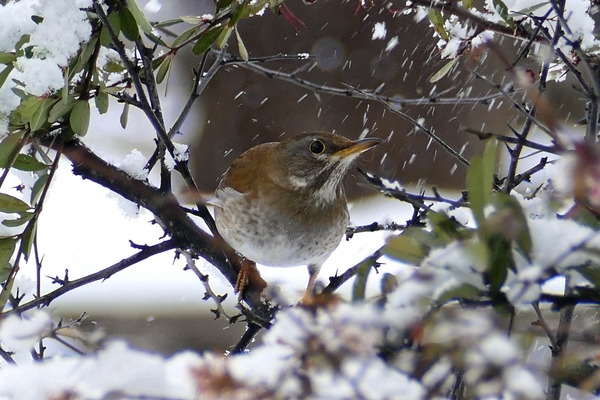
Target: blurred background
column 157, row 305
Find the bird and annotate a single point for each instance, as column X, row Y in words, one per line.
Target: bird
column 283, row 204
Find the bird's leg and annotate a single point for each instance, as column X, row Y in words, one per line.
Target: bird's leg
column 248, row 273
column 309, row 295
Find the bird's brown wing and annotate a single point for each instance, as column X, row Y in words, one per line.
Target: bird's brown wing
column 246, row 170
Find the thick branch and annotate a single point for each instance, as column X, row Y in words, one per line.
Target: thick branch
column 168, row 212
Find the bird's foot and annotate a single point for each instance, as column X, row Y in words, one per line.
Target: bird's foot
column 313, row 301
column 248, row 275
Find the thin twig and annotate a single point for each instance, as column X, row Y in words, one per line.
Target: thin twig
column 375, row 226
column 14, row 155
column 218, row 299
column 336, row 281
column 395, row 190
column 427, row 131
column 104, row 274
column 6, row 356
column 526, row 175
column 541, row 322
column 363, row 94
column 513, row 140
column 31, row 226
column 515, row 103
column 575, row 44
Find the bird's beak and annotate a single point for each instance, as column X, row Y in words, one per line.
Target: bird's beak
column 358, row 147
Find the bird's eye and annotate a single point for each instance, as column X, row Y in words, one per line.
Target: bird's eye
column 317, row 147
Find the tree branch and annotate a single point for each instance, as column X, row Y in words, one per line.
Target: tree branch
column 168, row 212
column 336, row 281
column 68, row 285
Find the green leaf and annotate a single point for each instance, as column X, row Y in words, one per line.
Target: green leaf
column 238, row 13
column 360, row 283
column 168, row 22
column 7, row 58
column 28, row 107
column 114, row 67
column 224, row 37
column 140, row 17
column 223, row 3
column 156, row 39
column 80, row 117
column 388, row 283
column 5, row 72
column 18, row 46
column 163, row 69
column 124, row 116
column 23, row 219
column 500, row 260
column 10, row 204
column 65, row 89
column 206, row 40
column 192, row 19
column 241, row 47
column 5, row 272
column 102, row 102
column 40, row 117
column 114, row 19
column 8, row 148
column 28, row 239
column 7, row 248
column 410, row 246
column 509, row 221
column 159, row 60
column 28, row 163
column 20, row 92
column 184, row 36
column 502, row 10
column 38, row 187
column 443, row 71
column 61, row 109
column 7, row 288
column 129, row 25
column 462, row 292
column 446, row 229
column 591, row 273
column 480, row 180
column 468, row 4
column 87, row 49
column 437, row 20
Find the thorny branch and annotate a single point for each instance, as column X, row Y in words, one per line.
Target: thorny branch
column 374, row 227
column 209, row 293
column 168, row 212
column 395, row 190
column 68, row 285
column 336, row 281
